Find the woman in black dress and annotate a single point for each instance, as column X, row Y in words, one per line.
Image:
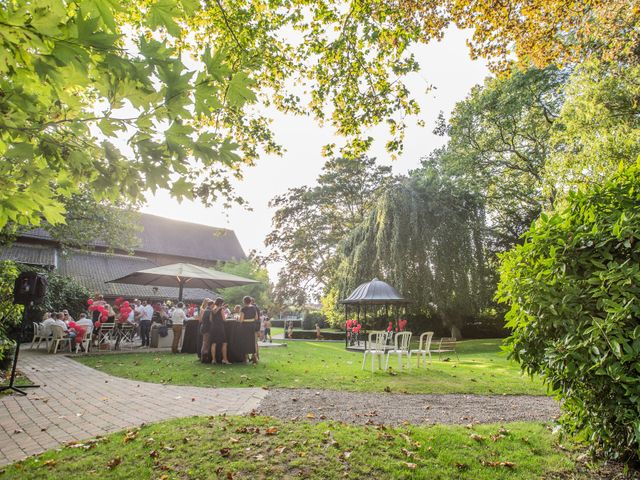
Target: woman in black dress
column 217, row 335
column 205, row 329
column 248, row 317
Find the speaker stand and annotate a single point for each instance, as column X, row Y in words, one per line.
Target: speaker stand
column 12, row 379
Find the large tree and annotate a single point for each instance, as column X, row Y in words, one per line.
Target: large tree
column 424, row 235
column 499, row 144
column 120, row 97
column 309, row 222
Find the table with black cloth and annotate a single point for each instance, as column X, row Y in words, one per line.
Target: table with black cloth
column 240, row 339
column 190, row 343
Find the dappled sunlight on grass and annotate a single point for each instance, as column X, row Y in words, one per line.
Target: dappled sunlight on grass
column 328, row 365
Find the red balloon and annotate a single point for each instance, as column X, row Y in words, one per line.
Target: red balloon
column 98, row 324
column 72, row 324
column 104, row 316
column 125, row 304
column 90, row 301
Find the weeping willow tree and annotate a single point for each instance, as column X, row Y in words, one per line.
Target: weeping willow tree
column 425, row 237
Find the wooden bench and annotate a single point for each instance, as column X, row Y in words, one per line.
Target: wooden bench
column 446, row 345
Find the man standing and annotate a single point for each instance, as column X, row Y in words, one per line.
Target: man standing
column 177, row 320
column 145, row 323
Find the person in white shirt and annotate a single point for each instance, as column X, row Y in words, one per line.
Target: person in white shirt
column 177, row 320
column 85, row 322
column 145, row 323
column 46, row 326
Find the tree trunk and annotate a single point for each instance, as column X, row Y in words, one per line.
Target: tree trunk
column 456, row 333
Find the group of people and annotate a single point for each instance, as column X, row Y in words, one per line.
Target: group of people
column 138, row 317
column 74, row 330
column 253, row 325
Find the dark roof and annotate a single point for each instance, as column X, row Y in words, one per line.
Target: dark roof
column 93, row 269
column 173, row 237
column 375, row 292
column 40, row 255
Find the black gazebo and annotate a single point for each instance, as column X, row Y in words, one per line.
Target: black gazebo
column 375, row 297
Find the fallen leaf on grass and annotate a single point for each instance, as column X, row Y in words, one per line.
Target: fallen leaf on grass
column 408, row 453
column 488, row 463
column 280, row 450
column 114, row 462
column 387, row 389
column 225, row 452
column 462, row 466
column 50, row 463
column 310, row 415
column 345, row 455
column 271, row 431
column 131, row 435
column 154, row 454
column 412, row 466
column 234, row 440
column 476, row 437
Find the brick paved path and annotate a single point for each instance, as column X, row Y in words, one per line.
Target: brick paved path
column 76, row 402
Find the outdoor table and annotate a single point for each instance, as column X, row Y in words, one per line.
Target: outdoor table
column 190, row 339
column 233, row 331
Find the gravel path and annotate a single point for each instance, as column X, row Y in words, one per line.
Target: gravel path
column 395, row 409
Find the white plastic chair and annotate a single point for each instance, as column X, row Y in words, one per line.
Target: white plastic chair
column 58, row 337
column 105, row 333
column 424, row 347
column 401, row 347
column 86, row 340
column 39, row 334
column 446, row 345
column 375, row 348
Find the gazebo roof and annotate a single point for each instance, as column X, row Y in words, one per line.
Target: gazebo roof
column 375, row 292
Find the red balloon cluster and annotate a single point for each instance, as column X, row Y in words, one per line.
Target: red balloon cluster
column 402, row 324
column 390, row 327
column 125, row 310
column 353, row 326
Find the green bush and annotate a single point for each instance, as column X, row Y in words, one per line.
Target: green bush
column 574, row 291
column 10, row 314
column 311, row 318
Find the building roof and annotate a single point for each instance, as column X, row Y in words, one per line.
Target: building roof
column 39, row 255
column 93, row 269
column 164, row 236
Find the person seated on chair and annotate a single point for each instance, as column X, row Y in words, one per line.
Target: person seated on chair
column 85, row 322
column 67, row 318
column 71, row 333
column 46, row 325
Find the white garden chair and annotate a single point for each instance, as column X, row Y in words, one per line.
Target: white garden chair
column 105, row 333
column 401, row 347
column 86, row 340
column 375, row 348
column 424, row 347
column 58, row 337
column 39, row 334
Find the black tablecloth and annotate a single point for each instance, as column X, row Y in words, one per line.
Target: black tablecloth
column 190, row 342
column 240, row 340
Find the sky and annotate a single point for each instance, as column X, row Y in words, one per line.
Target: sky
column 445, row 65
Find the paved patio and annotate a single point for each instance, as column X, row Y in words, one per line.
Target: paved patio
column 75, row 402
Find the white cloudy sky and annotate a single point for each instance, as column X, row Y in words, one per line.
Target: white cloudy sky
column 445, row 65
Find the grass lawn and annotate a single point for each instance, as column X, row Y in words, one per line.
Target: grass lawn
column 262, row 447
column 482, row 369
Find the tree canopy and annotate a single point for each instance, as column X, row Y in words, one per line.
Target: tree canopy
column 309, row 222
column 424, row 235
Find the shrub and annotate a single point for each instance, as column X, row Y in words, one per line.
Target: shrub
column 311, row 318
column 574, row 291
column 10, row 314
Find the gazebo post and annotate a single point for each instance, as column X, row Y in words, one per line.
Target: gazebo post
column 346, row 317
column 365, row 327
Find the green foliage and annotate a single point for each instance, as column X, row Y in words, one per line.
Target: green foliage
column 311, row 318
column 64, row 293
column 310, row 222
column 10, row 314
column 574, row 291
column 499, row 143
column 425, row 237
column 249, row 268
column 331, row 310
column 600, row 121
column 119, row 98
